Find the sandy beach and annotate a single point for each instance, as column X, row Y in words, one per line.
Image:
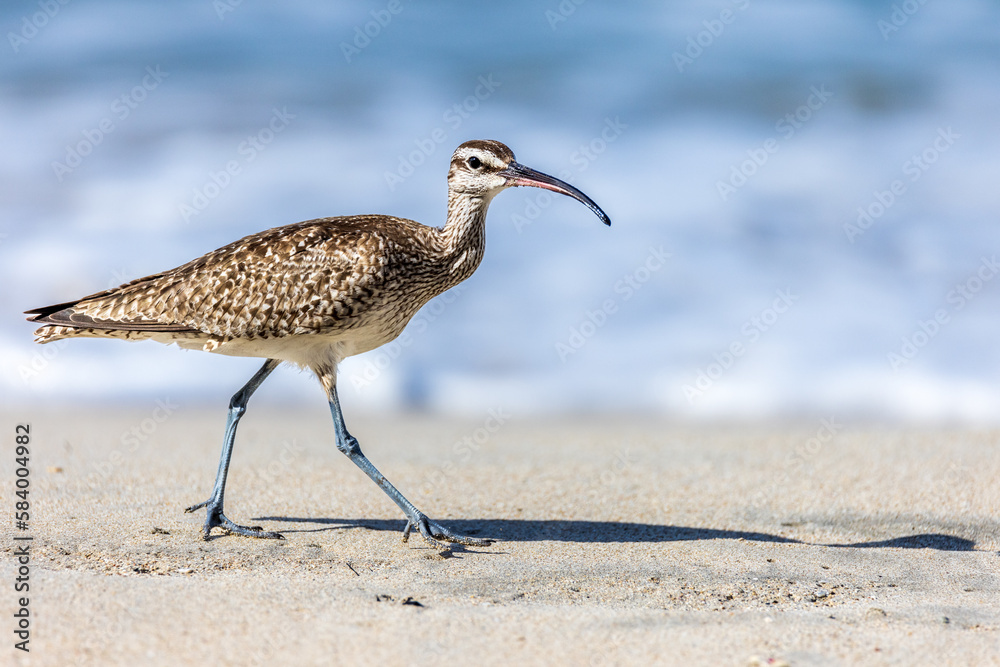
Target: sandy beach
column 622, row 541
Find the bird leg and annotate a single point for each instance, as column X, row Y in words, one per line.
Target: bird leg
column 431, row 531
column 237, row 406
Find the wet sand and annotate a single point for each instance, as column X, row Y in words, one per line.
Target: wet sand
column 622, row 540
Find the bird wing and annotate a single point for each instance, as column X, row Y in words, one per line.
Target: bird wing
column 302, row 278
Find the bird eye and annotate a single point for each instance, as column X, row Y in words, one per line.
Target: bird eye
column 474, row 162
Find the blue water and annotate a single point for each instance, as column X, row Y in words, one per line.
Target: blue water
column 732, row 143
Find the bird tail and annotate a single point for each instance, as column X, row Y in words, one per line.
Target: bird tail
column 59, row 321
column 70, row 320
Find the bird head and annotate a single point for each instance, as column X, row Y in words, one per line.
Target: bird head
column 482, row 168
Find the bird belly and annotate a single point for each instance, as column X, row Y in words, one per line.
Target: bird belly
column 313, row 348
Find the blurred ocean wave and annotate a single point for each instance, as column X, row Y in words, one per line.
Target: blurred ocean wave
column 726, row 157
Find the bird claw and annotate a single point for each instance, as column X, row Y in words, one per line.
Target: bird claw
column 217, row 519
column 436, row 535
column 194, row 508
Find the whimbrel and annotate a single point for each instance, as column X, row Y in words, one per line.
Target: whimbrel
column 313, row 294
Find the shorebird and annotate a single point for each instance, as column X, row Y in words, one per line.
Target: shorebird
column 312, row 294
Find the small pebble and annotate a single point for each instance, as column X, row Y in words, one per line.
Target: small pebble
column 185, row 570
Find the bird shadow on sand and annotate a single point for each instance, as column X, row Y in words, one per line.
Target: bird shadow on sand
column 922, row 541
column 521, row 530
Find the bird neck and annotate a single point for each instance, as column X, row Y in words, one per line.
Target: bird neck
column 464, row 233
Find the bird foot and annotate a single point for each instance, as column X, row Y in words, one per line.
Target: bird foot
column 437, row 535
column 217, row 518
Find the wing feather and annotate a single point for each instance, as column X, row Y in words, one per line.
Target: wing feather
column 308, row 277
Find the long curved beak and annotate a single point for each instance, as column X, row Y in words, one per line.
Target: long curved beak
column 517, row 175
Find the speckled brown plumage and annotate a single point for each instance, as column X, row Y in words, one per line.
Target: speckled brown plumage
column 351, row 281
column 317, row 278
